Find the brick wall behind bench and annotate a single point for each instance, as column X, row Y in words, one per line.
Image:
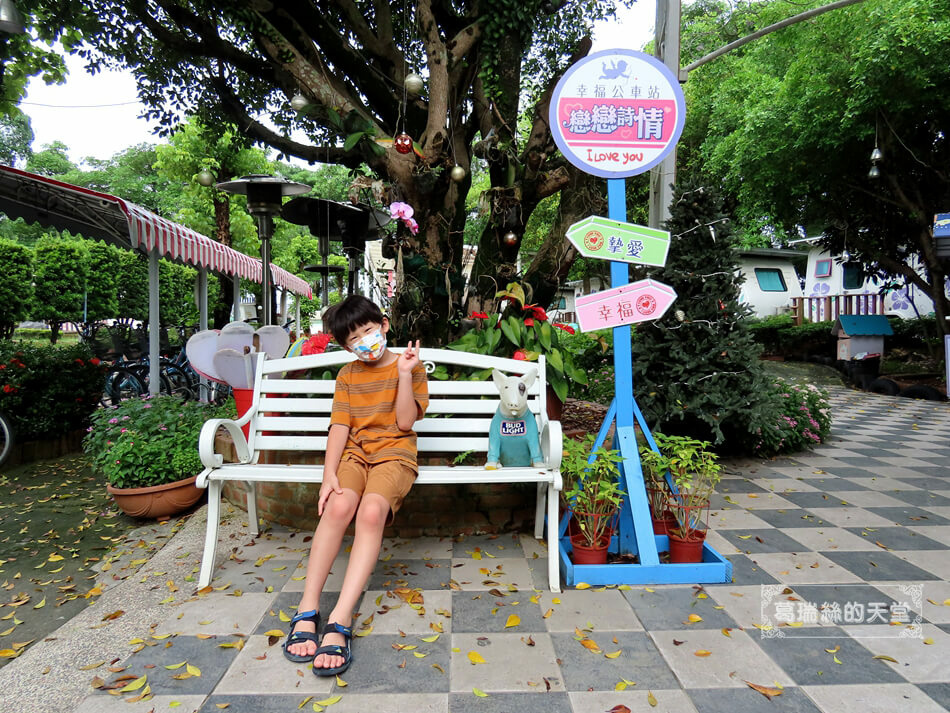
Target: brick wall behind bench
column 429, row 510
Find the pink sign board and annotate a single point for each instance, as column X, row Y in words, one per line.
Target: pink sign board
column 637, row 302
column 617, row 113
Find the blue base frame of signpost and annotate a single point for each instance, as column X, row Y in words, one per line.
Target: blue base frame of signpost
column 635, row 528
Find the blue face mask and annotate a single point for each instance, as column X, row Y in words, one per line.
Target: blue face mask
column 370, row 347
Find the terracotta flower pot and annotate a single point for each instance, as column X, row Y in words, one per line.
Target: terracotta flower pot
column 582, row 553
column 157, row 500
column 663, row 526
column 690, row 550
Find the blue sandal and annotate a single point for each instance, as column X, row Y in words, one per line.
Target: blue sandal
column 297, row 637
column 335, row 649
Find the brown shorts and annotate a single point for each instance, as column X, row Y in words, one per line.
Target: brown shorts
column 392, row 479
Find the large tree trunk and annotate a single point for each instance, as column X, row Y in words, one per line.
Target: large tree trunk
column 221, row 314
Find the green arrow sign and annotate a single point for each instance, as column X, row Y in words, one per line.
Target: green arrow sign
column 605, row 239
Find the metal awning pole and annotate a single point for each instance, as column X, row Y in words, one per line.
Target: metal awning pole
column 202, row 298
column 236, row 305
column 153, row 323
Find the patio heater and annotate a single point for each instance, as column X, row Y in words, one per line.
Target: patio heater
column 328, row 220
column 265, row 194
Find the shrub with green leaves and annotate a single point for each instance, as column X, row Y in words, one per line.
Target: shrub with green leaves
column 149, row 441
column 48, row 391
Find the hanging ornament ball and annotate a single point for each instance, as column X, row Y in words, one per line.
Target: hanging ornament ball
column 510, row 238
column 457, row 174
column 403, row 143
column 413, row 84
column 298, row 102
column 680, row 315
column 205, row 178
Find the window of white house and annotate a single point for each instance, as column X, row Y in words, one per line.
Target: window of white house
column 823, row 268
column 853, row 277
column 770, row 279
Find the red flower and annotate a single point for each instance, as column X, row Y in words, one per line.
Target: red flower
column 479, row 315
column 95, row 362
column 7, row 389
column 80, row 362
column 537, row 312
column 567, row 328
column 529, row 322
column 317, row 344
column 520, row 355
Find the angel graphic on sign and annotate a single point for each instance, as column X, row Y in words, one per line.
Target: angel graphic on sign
column 617, row 69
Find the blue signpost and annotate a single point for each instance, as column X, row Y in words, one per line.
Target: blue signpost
column 615, row 114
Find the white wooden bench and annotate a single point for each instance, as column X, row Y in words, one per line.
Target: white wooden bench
column 292, row 414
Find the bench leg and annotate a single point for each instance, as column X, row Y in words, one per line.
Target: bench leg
column 252, row 507
column 211, row 533
column 554, row 543
column 539, row 512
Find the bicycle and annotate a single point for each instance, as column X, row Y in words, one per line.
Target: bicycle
column 6, row 437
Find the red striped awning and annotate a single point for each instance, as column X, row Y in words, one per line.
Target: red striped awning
column 100, row 215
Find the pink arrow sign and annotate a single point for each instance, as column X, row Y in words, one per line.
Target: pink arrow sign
column 637, row 302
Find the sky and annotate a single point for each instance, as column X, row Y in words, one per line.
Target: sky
column 99, row 116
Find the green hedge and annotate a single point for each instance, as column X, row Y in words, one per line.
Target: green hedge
column 779, row 335
column 48, row 391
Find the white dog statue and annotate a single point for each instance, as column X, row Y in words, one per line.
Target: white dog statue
column 513, row 438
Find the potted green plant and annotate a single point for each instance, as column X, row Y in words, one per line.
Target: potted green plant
column 655, row 466
column 695, row 470
column 147, row 449
column 523, row 331
column 593, row 495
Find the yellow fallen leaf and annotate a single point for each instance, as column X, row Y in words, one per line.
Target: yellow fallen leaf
column 430, row 639
column 274, row 632
column 591, row 645
column 766, row 691
column 329, row 701
column 836, row 659
column 702, row 653
column 882, row 657
column 651, row 699
column 614, row 654
column 8, row 631
column 91, row 666
column 726, row 631
column 547, row 614
column 480, row 693
column 160, row 637
column 304, row 702
column 582, row 585
column 419, row 655
column 363, row 632
column 693, row 618
column 475, row 657
column 41, row 604
column 341, row 683
column 174, row 704
column 928, row 641
column 835, row 650
column 222, row 706
column 946, row 602
column 134, row 685
column 204, row 636
column 175, row 666
column 513, row 620
column 283, row 617
column 55, row 558
column 8, row 654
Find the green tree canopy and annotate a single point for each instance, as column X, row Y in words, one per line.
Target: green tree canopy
column 16, row 287
column 787, row 124
column 486, row 66
column 16, row 138
column 61, row 268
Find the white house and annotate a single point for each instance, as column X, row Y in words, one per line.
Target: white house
column 770, row 282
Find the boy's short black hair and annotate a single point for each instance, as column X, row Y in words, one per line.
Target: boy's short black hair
column 350, row 314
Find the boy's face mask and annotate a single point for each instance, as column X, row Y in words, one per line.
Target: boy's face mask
column 370, row 347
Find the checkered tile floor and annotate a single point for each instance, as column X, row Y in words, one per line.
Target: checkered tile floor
column 828, row 547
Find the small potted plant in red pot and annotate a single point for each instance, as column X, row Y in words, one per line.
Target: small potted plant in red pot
column 593, row 495
column 695, row 471
column 655, row 466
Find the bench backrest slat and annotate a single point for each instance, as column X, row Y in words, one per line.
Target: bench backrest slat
column 294, row 413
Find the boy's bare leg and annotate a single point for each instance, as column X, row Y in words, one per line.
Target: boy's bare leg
column 323, row 550
column 370, row 521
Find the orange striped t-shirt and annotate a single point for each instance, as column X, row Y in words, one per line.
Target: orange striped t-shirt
column 365, row 402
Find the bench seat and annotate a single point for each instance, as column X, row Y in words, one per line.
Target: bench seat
column 290, row 413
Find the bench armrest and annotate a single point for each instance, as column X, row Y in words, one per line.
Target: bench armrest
column 212, row 460
column 552, row 444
